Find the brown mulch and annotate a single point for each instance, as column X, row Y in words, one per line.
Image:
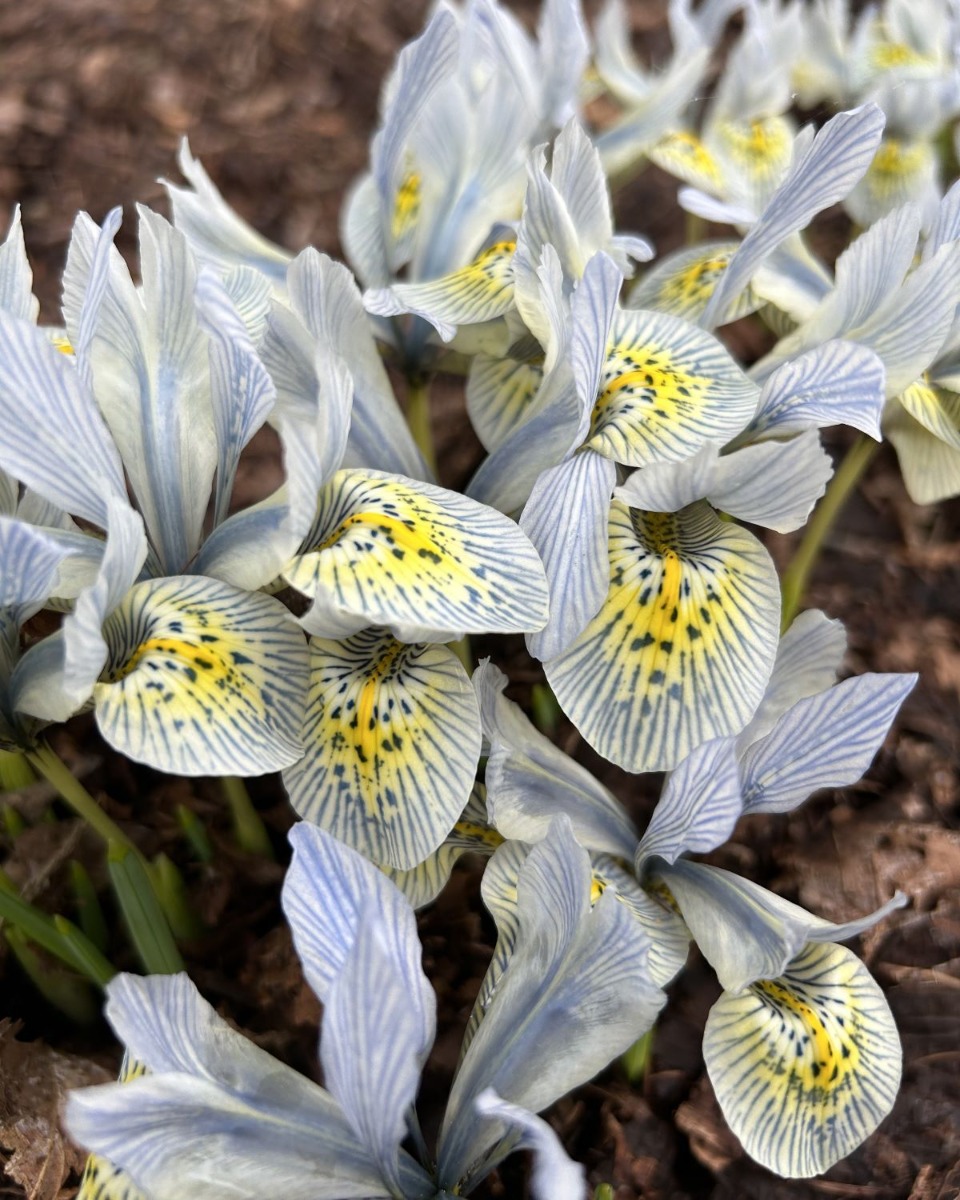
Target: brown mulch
column 278, row 98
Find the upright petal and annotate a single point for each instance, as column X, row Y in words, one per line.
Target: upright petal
column 16, row 278
column 555, row 1176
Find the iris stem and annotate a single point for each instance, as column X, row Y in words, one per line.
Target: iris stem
column 636, row 1060
column 15, row 772
column 248, row 826
column 72, row 996
column 847, row 475
column 142, row 914
column 46, row 763
column 418, row 418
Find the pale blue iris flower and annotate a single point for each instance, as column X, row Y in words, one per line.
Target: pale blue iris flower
column 216, row 1116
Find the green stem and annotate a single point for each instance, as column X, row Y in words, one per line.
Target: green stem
column 89, row 913
column 174, row 899
column 636, row 1060
column 418, row 418
column 695, row 229
column 72, row 996
column 46, row 763
column 462, row 650
column 847, row 475
column 15, row 772
column 195, row 833
column 142, row 914
column 248, row 827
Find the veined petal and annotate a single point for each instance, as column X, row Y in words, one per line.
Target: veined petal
column 555, row 1176
column 838, row 383
column 566, row 519
column 698, row 808
column 325, row 893
column 251, row 548
column 807, row 1065
column 472, row 834
column 666, row 389
column 392, row 734
column 217, row 235
column 903, row 169
column 592, row 323
column 575, row 992
column 480, row 291
column 930, row 467
column 821, row 174
column 935, row 408
column 755, row 154
column 74, row 463
column 683, row 154
column 203, row 679
column 371, row 1047
column 16, row 278
column 809, row 657
column 241, row 391
column 30, row 558
column 825, row 740
column 427, row 563
column 684, row 644
column 530, row 780
column 499, row 394
column 683, row 282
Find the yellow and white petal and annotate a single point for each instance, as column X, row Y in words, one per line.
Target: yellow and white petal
column 203, row 679
column 937, row 410
column 472, row 834
column 480, row 291
column 101, row 1179
column 754, row 155
column 684, row 644
column 392, row 737
column 666, row 389
column 682, row 283
column 806, row 1066
column 929, row 465
column 423, row 561
column 684, row 155
column 499, row 395
column 902, row 170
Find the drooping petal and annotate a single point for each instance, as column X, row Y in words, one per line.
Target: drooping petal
column 575, row 992
column 203, row 679
column 251, row 548
column 371, row 1047
column 30, row 559
column 930, row 466
column 683, row 282
column 935, row 408
column 530, row 780
column 825, row 740
column 480, row 291
column 392, row 737
column 684, row 644
column 325, row 893
column 698, row 807
column 241, row 391
column 666, row 389
column 74, row 463
column 566, row 519
column 555, row 1176
column 808, row 658
column 902, row 170
column 804, row 1066
column 472, row 833
column 499, row 394
column 427, row 563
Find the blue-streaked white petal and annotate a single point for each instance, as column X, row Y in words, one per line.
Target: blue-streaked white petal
column 555, row 1176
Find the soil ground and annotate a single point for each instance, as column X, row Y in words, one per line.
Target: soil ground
column 278, row 98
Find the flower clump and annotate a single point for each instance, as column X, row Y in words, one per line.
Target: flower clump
column 631, row 458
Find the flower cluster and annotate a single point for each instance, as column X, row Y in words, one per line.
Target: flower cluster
column 320, row 632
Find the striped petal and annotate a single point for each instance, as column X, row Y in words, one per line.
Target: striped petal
column 566, row 519
column 698, row 808
column 575, row 992
column 935, row 408
column 16, row 278
column 930, row 466
column 822, row 173
column 825, row 740
column 480, row 291
column 371, row 1048
column 809, row 658
column 217, row 235
column 755, row 154
column 499, row 394
column 804, row 1066
column 683, row 154
column 530, row 780
column 666, row 389
column 101, row 1179
column 427, row 563
column 683, row 282
column 75, row 463
column 326, row 892
column 30, row 559
column 684, row 644
column 392, row 733
column 203, row 679
column 472, row 834
column 902, row 170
